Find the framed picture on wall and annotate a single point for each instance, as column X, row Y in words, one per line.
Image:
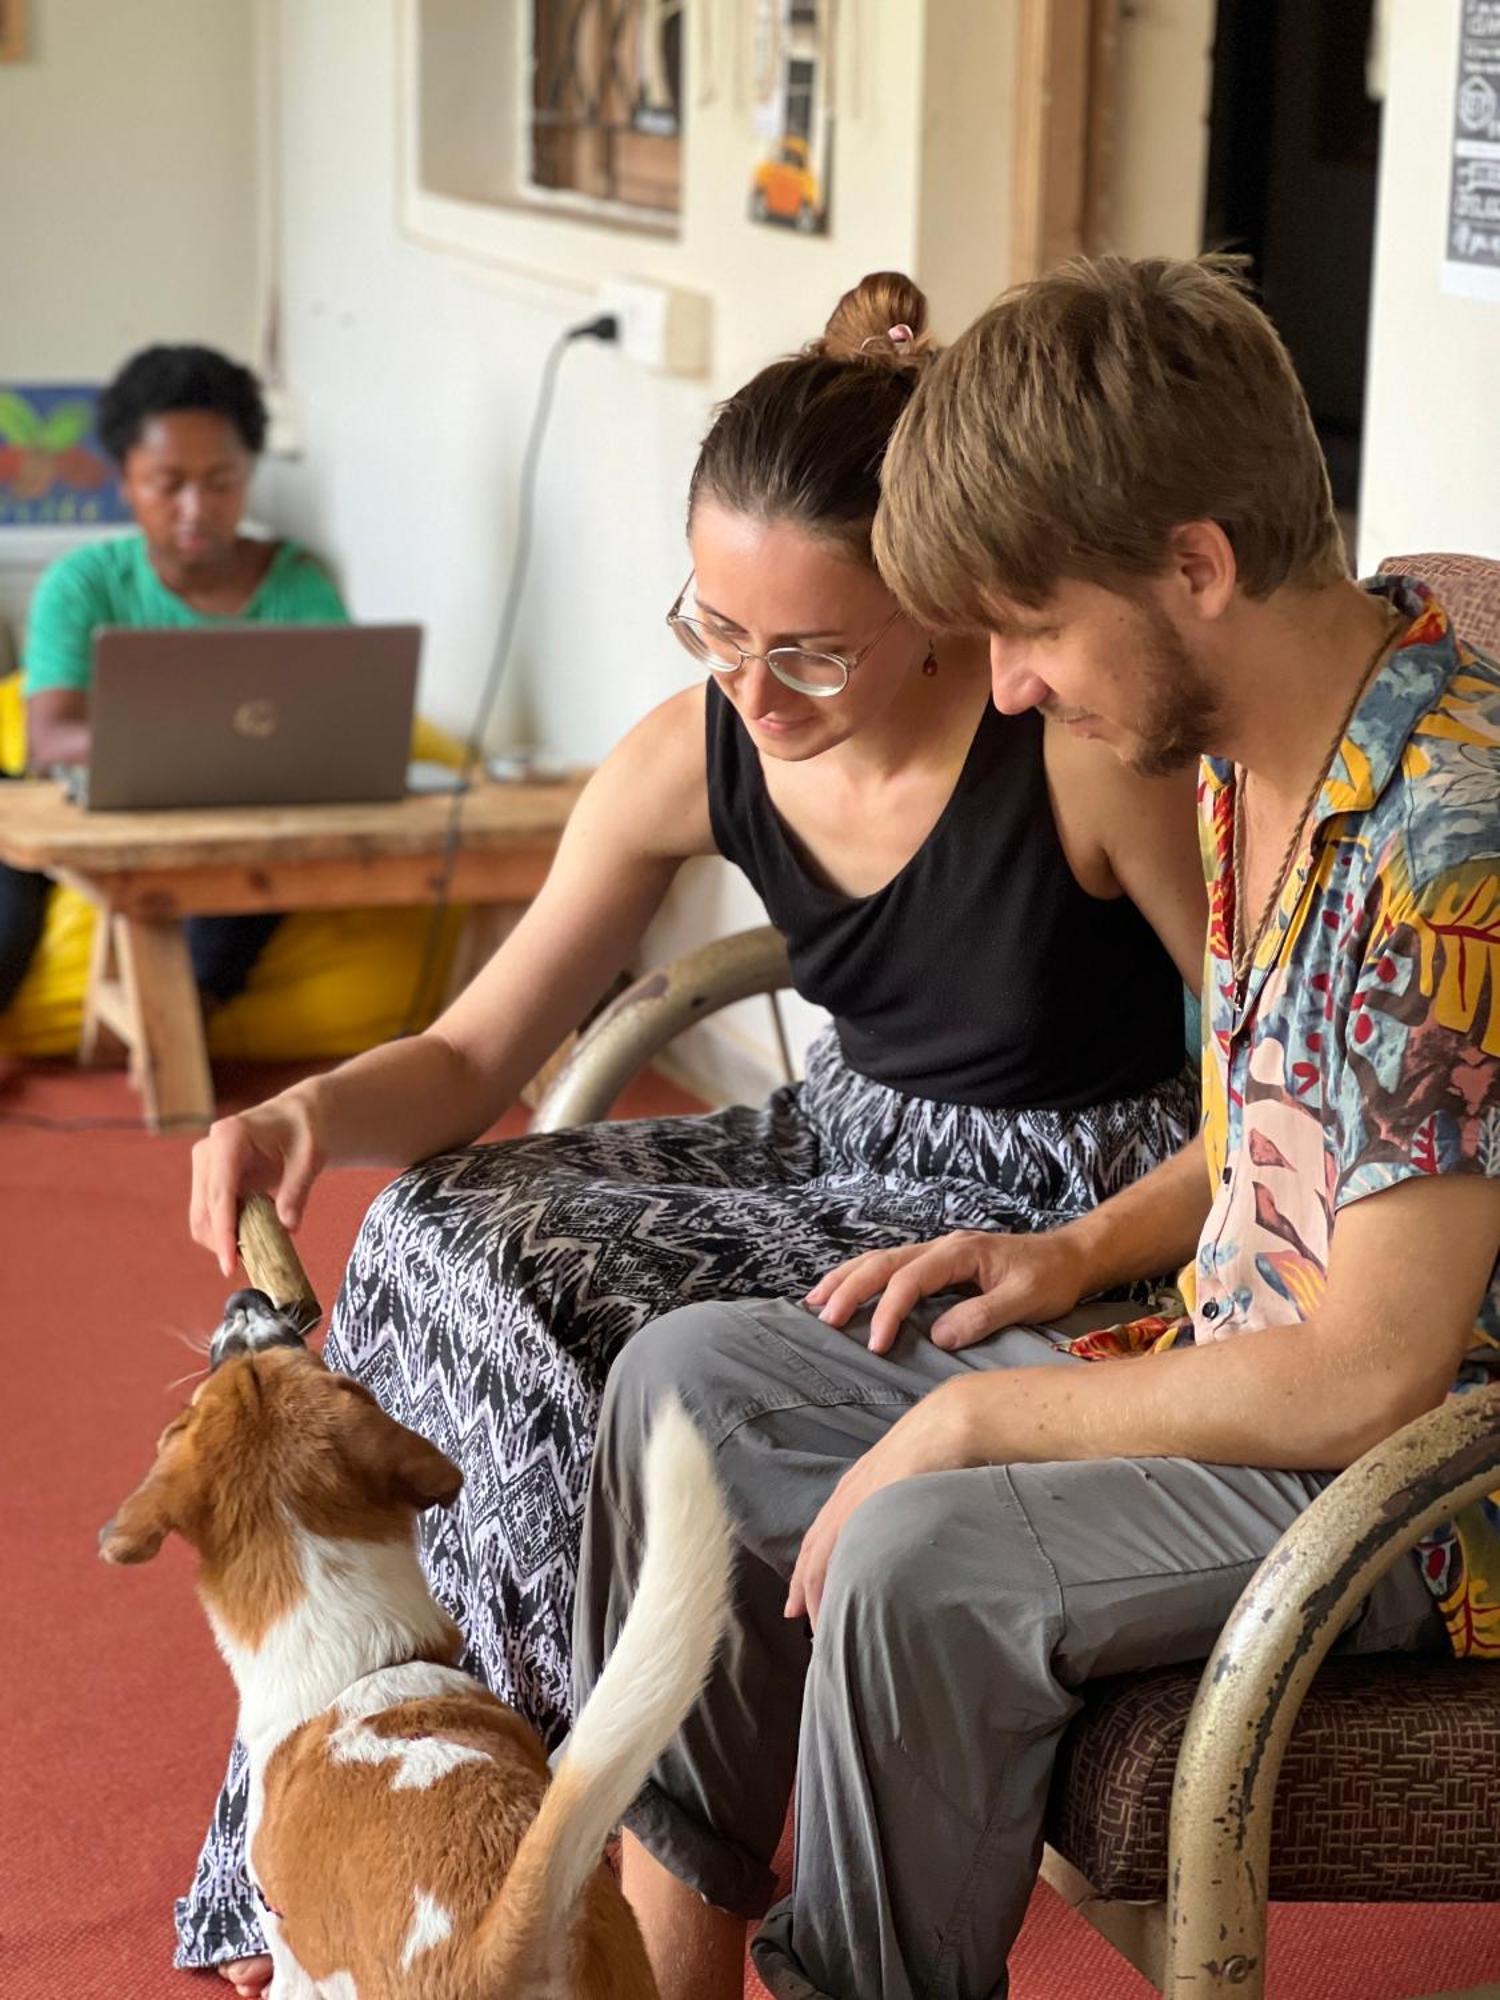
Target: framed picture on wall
column 794, row 41
column 53, row 470
column 12, row 30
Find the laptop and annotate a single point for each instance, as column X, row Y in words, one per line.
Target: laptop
column 249, row 715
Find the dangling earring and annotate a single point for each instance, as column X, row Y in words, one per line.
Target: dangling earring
column 929, row 665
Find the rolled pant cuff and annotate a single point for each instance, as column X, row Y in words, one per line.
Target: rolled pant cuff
column 779, row 1971
column 722, row 1874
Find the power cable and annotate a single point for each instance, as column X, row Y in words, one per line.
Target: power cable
column 605, row 326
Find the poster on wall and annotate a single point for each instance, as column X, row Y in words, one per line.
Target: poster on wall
column 1472, row 264
column 793, row 72
column 53, row 470
column 12, row 31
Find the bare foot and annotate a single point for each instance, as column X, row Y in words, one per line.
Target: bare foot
column 250, row 1977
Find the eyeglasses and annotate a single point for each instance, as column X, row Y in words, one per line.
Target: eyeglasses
column 805, row 672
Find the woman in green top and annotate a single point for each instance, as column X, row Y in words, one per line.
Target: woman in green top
column 186, row 426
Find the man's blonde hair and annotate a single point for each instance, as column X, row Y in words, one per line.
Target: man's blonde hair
column 1083, row 418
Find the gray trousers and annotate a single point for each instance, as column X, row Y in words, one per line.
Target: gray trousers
column 961, row 1614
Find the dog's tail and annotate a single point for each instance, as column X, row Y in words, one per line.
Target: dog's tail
column 648, row 1684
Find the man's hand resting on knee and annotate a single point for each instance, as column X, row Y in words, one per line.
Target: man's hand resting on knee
column 1018, row 1278
column 932, row 1437
column 1150, row 1228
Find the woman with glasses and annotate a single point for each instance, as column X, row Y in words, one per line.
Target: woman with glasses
column 989, row 907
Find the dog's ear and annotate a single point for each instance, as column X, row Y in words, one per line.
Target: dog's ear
column 143, row 1522
column 394, row 1463
column 420, row 1473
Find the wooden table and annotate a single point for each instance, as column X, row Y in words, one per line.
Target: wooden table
column 144, row 871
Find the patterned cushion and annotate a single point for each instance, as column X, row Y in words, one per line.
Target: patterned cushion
column 1388, row 1792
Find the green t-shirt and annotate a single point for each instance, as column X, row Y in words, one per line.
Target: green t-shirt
column 113, row 583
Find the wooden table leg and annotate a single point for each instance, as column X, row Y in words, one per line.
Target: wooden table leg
column 166, row 1023
column 102, row 1037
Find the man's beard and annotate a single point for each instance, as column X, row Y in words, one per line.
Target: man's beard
column 1179, row 710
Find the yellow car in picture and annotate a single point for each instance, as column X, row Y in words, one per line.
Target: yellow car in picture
column 785, row 188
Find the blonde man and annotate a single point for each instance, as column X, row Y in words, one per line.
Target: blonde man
column 961, row 1492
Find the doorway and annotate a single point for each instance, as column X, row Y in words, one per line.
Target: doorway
column 1294, row 145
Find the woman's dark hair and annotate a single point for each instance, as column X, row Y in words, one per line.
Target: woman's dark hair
column 159, row 379
column 805, row 439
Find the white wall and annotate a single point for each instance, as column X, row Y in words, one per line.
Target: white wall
column 1160, row 152
column 127, row 203
column 963, row 217
column 1432, row 417
column 127, row 164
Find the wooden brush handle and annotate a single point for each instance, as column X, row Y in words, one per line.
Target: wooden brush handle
column 271, row 1261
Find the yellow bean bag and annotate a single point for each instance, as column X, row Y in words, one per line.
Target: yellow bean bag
column 329, row 983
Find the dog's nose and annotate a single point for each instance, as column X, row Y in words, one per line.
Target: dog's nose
column 248, row 1300
column 252, row 1321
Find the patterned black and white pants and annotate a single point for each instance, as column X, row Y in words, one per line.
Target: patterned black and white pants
column 490, row 1290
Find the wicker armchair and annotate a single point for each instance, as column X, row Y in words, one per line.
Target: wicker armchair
column 1184, row 1800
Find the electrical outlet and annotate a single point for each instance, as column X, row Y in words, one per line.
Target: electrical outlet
column 283, row 428
column 661, row 326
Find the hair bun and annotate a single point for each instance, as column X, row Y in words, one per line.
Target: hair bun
column 883, row 320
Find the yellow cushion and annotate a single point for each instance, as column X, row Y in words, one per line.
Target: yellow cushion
column 329, row 983
column 12, row 724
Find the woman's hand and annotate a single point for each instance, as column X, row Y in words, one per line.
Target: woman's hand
column 931, row 1437
column 1019, row 1278
column 275, row 1149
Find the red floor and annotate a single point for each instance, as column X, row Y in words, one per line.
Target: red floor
column 116, row 1710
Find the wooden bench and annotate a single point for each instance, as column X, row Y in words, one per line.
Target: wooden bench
column 145, row 871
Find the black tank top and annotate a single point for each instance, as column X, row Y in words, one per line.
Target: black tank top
column 982, row 973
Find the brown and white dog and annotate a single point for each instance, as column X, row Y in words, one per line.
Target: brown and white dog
column 402, row 1829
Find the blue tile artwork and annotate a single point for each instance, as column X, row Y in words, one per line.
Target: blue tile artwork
column 53, row 470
